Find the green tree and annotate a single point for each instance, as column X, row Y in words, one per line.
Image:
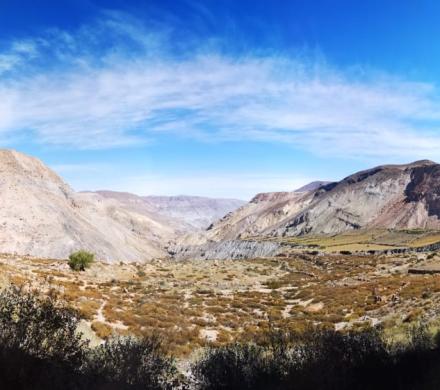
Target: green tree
column 81, row 260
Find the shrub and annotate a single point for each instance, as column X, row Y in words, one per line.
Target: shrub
column 81, row 260
column 133, row 363
column 322, row 359
column 41, row 349
column 42, row 327
column 39, row 346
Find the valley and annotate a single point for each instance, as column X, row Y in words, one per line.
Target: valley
column 192, row 306
column 201, row 272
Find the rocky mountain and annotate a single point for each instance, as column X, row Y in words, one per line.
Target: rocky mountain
column 388, row 196
column 42, row 216
column 186, row 212
column 263, row 212
column 314, row 185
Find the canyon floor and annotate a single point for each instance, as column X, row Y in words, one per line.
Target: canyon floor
column 193, row 303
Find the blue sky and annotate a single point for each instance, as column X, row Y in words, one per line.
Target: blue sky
column 218, row 98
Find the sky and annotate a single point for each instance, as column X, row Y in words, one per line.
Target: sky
column 221, row 98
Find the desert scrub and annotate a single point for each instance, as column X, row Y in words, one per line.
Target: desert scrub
column 102, row 330
column 81, row 260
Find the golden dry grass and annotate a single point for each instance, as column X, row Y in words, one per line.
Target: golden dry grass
column 237, row 299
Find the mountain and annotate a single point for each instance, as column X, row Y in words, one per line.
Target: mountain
column 387, row 196
column 314, row 185
column 139, row 205
column 42, row 216
column 263, row 212
column 186, row 212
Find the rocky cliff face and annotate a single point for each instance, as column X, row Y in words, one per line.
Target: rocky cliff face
column 42, row 216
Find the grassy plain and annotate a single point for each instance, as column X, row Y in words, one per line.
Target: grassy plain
column 365, row 240
column 196, row 303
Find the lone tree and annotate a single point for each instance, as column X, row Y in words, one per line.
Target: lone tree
column 81, row 260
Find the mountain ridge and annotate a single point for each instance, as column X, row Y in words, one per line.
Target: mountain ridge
column 42, row 215
column 390, row 196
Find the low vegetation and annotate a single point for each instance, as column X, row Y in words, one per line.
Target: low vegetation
column 81, row 260
column 367, row 240
column 40, row 348
column 323, row 359
column 192, row 306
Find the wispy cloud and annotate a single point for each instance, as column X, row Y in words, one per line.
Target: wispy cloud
column 119, row 83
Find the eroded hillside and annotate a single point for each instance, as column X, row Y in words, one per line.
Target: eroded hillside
column 389, row 196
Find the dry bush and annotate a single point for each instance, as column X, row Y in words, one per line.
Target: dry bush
column 102, row 330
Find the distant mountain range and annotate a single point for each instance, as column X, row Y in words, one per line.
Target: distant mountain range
column 42, row 216
column 191, row 212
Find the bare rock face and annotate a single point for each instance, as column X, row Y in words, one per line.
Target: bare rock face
column 42, row 216
column 226, row 250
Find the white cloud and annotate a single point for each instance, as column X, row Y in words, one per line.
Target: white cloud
column 17, row 54
column 100, row 96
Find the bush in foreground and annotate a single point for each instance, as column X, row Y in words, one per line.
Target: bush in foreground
column 39, row 346
column 81, row 260
column 323, row 359
column 140, row 364
column 41, row 349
